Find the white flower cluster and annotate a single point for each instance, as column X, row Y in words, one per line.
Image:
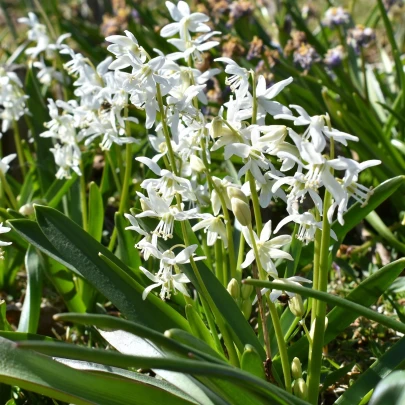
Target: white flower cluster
column 12, row 99
column 277, row 162
column 185, row 141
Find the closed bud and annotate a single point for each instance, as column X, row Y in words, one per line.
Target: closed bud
column 216, row 127
column 296, row 306
column 234, row 192
column 26, row 209
column 246, row 308
column 300, row 389
column 241, row 211
column 246, row 290
column 296, row 369
column 234, row 289
column 197, row 164
column 312, row 331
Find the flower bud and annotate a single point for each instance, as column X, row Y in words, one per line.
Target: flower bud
column 234, row 289
column 246, row 308
column 300, row 389
column 216, row 127
column 26, row 209
column 241, row 211
column 234, row 192
column 246, row 290
column 296, row 306
column 197, row 164
column 296, row 369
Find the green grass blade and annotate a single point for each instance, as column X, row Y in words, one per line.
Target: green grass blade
column 96, row 212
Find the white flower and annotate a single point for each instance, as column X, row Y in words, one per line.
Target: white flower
column 239, row 79
column 158, row 207
column 134, row 225
column 37, row 33
column 185, row 21
column 307, row 226
column 296, row 280
column 169, row 184
column 12, row 99
column 214, row 227
column 3, row 229
column 5, row 162
column 268, row 249
column 192, row 47
column 67, row 157
column 165, row 278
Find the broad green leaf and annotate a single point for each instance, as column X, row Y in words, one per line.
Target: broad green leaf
column 391, row 390
column 55, row 268
column 126, row 250
column 38, row 373
column 252, row 363
column 96, row 212
column 81, row 251
column 188, row 339
column 163, row 341
column 114, row 371
column 380, row 369
column 129, row 344
column 34, row 264
column 274, row 394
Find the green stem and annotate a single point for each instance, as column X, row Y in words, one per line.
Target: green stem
column 241, row 254
column 219, row 269
column 20, row 151
column 315, row 350
column 364, row 72
column 9, row 192
column 113, row 171
column 260, row 276
column 256, row 204
column 127, row 179
column 282, row 347
column 83, row 197
column 317, row 252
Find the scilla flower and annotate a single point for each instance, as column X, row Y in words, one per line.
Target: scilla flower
column 165, row 278
column 3, row 229
column 268, row 249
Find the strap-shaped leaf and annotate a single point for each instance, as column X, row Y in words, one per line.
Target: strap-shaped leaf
column 38, row 373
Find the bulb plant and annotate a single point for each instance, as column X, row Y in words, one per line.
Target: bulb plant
column 230, row 213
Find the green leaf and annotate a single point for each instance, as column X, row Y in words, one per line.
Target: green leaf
column 163, row 341
column 81, row 251
column 45, row 162
column 126, row 242
column 380, row 369
column 22, row 336
column 356, row 212
column 4, row 325
column 189, row 340
column 391, row 390
column 42, row 375
column 198, row 327
column 382, row 230
column 32, row 303
column 252, row 363
column 96, row 212
column 347, row 303
column 274, row 394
